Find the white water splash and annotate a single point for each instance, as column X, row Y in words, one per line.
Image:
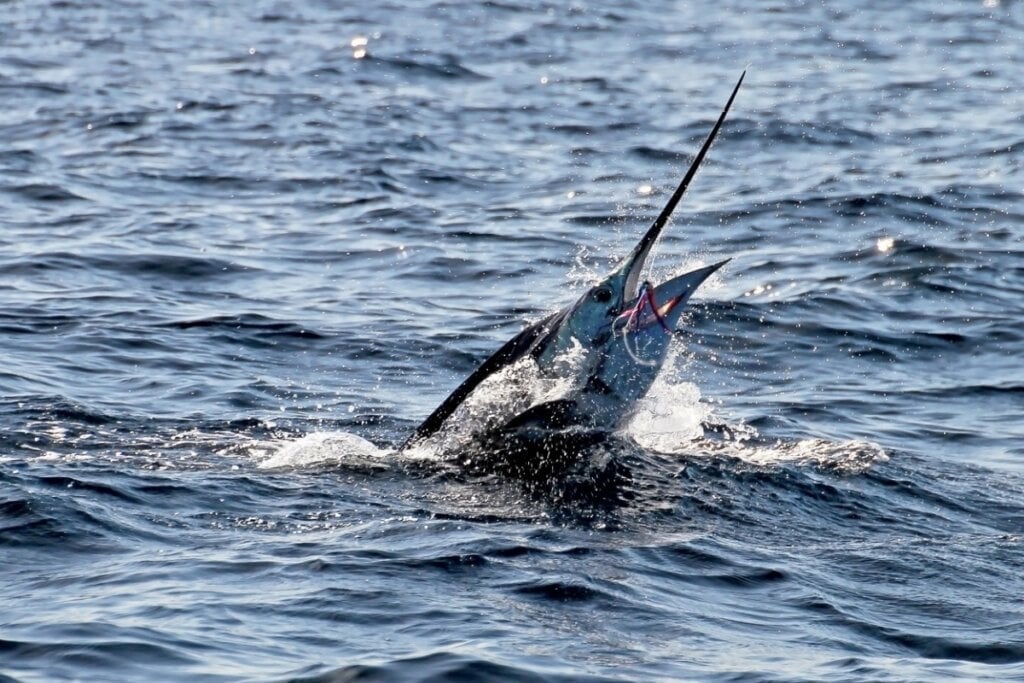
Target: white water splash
column 497, row 399
column 671, row 414
column 672, row 421
column 849, row 457
column 326, row 448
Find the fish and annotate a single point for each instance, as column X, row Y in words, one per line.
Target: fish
column 555, row 438
column 618, row 322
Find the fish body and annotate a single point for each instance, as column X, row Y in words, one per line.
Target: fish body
column 623, row 326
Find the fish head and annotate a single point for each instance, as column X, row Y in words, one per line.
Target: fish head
column 590, row 319
column 631, row 359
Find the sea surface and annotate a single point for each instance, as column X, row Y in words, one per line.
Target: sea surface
column 246, row 246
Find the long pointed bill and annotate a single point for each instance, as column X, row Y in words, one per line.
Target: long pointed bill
column 634, row 263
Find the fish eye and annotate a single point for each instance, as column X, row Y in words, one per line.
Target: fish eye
column 603, row 295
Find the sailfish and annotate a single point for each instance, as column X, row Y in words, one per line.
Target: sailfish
column 623, row 324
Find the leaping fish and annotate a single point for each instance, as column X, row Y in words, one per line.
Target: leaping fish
column 622, row 322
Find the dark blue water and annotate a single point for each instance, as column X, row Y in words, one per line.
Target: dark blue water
column 245, row 247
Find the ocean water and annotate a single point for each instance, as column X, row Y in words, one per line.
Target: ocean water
column 245, row 247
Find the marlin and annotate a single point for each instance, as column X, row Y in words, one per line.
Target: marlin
column 623, row 324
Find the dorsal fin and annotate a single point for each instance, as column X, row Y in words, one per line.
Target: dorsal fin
column 514, row 349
